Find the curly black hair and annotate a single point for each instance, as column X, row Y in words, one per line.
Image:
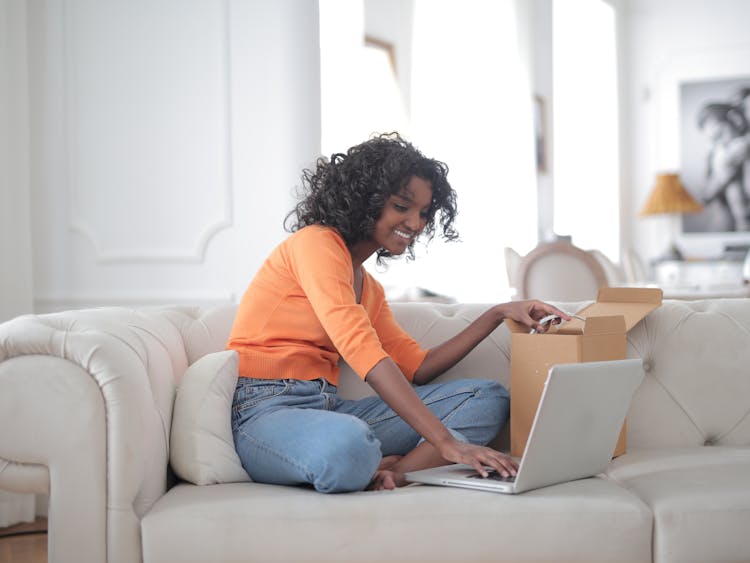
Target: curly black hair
column 349, row 191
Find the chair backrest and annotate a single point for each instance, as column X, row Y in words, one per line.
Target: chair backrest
column 559, row 271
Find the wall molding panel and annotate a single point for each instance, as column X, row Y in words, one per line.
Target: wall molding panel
column 165, row 139
column 148, row 127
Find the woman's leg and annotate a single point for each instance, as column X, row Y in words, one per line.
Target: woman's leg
column 473, row 409
column 284, row 435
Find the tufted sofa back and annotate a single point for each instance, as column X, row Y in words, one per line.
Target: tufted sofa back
column 696, row 357
column 120, row 368
column 696, row 360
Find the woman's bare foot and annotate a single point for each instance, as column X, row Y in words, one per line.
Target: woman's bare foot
column 385, row 478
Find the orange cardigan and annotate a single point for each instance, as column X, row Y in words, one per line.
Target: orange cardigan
column 299, row 315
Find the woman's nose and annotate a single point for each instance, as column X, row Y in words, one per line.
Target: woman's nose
column 415, row 222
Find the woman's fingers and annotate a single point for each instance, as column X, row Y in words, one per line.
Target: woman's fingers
column 481, row 457
column 504, row 465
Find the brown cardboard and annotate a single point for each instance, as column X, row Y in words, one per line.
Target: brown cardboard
column 602, row 336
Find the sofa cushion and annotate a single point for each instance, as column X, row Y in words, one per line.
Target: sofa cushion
column 639, row 462
column 201, row 445
column 700, row 498
column 587, row 520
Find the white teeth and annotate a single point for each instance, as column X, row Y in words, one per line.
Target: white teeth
column 402, row 234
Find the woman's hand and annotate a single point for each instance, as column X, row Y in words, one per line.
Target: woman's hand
column 479, row 457
column 449, row 353
column 530, row 313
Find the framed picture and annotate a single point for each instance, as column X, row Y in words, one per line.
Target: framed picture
column 715, row 153
column 540, row 133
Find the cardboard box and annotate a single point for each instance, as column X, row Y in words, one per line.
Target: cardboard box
column 602, row 336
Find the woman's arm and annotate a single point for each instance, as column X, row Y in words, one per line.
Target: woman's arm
column 391, row 385
column 443, row 357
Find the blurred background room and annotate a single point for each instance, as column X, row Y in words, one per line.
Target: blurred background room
column 149, row 150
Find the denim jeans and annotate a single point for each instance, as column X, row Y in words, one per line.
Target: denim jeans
column 290, row 432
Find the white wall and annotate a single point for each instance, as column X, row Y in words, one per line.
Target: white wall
column 668, row 42
column 15, row 233
column 165, row 144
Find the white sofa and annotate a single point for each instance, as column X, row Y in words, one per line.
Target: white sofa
column 86, row 400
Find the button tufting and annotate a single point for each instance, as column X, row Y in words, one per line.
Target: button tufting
column 647, row 366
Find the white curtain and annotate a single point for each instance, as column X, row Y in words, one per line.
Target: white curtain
column 471, row 108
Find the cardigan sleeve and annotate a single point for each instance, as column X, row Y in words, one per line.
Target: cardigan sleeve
column 399, row 345
column 322, row 266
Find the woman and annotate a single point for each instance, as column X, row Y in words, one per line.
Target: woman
column 312, row 302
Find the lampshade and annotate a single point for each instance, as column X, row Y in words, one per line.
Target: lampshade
column 670, row 196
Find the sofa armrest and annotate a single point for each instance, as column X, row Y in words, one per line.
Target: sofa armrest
column 89, row 395
column 57, row 445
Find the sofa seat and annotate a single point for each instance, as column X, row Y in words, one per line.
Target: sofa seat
column 588, row 520
column 700, row 499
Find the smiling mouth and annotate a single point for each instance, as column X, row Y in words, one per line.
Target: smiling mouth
column 403, row 234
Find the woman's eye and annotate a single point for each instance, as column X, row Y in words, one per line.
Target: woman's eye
column 400, row 208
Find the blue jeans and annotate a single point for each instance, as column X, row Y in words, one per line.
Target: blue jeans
column 291, row 432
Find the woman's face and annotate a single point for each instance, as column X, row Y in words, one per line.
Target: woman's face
column 404, row 216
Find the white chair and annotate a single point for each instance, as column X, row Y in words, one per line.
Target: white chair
column 560, row 271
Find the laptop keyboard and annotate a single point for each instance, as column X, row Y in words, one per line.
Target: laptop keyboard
column 493, row 475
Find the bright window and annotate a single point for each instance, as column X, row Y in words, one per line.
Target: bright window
column 585, row 124
column 470, row 107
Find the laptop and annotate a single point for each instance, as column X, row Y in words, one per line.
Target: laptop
column 574, row 433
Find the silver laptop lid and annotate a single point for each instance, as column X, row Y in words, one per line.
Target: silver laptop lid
column 578, row 421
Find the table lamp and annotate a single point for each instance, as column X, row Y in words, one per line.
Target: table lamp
column 669, row 197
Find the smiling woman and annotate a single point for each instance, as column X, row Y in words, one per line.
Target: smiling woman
column 313, row 303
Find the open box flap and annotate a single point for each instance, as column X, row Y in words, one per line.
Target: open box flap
column 633, row 303
column 653, row 295
column 609, row 324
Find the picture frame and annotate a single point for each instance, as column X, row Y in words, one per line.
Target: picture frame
column 663, row 100
column 715, row 153
column 540, row 133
